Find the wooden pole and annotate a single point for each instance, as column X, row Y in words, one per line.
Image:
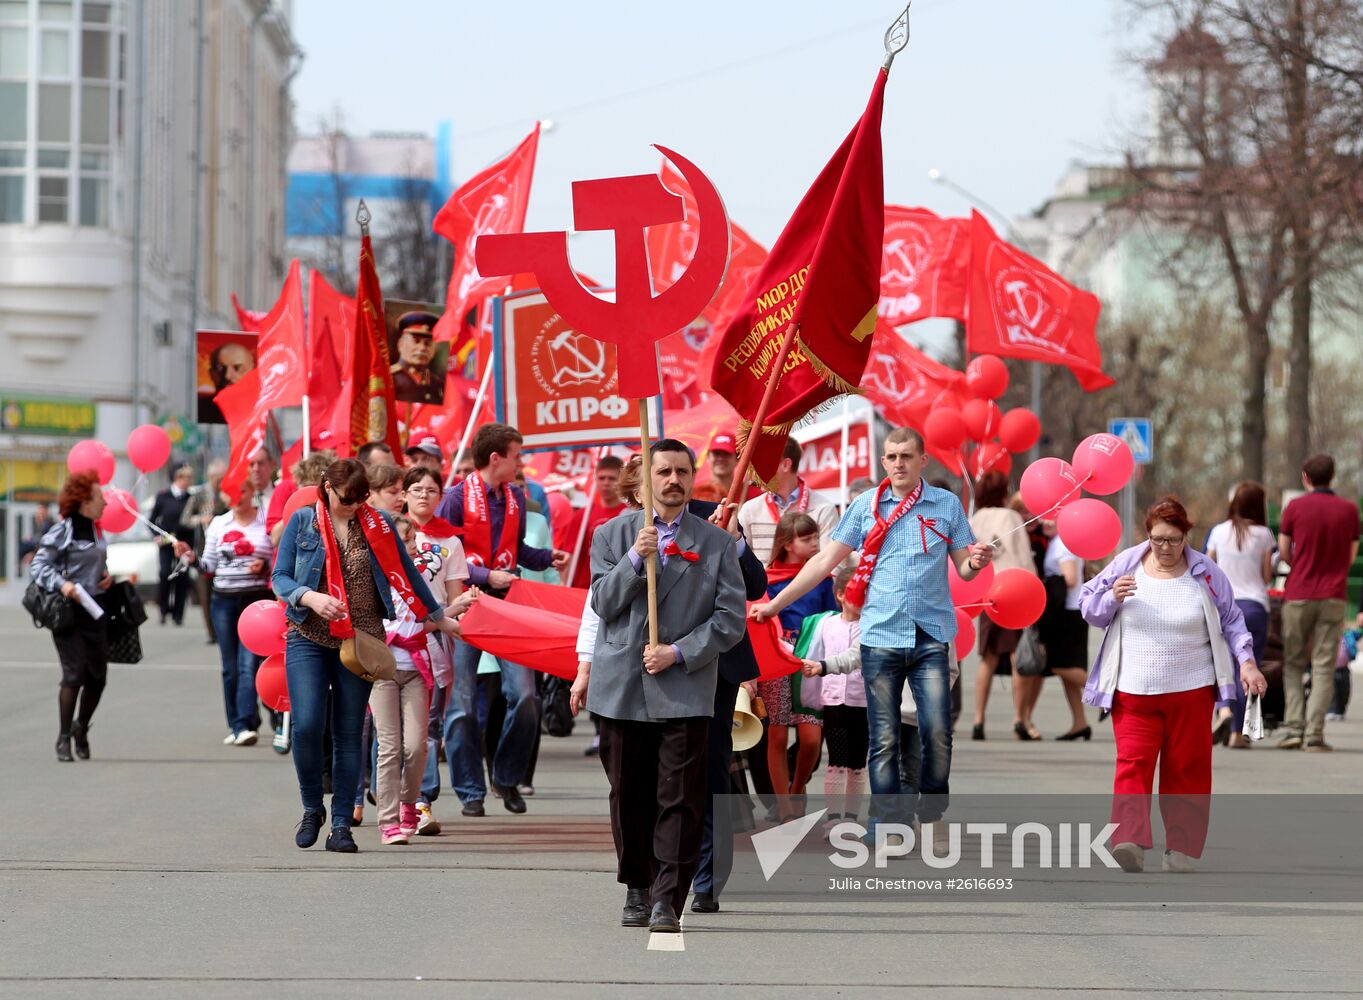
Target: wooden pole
column 646, row 489
column 763, row 408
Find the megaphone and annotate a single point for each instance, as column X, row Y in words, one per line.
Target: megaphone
column 747, row 727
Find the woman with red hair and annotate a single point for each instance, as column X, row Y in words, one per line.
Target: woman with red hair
column 1174, row 636
column 72, row 554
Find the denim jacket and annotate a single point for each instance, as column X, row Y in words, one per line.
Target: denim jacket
column 301, row 557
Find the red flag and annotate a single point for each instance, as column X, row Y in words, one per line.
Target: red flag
column 280, row 379
column 492, row 201
column 373, row 412
column 823, row 275
column 926, row 266
column 247, row 319
column 902, row 381
column 331, row 338
column 1020, row 308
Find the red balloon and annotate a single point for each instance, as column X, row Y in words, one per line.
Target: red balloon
column 990, row 457
column 1019, row 429
column 1089, row 528
column 986, row 377
column 272, row 683
column 85, row 456
column 261, row 627
column 148, row 448
column 944, row 430
column 965, row 635
column 304, row 497
column 967, row 592
column 1103, row 463
column 1048, row 484
column 982, row 418
column 120, row 509
column 1016, row 599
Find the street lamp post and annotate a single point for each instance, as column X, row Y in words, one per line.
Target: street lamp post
column 937, row 177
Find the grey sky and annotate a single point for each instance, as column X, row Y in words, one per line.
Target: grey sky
column 998, row 94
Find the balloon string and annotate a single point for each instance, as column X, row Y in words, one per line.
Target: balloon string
column 982, row 604
column 1028, row 523
column 182, row 563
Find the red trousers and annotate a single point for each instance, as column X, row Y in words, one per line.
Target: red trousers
column 1172, row 729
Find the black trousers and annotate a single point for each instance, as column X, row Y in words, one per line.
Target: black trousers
column 83, row 651
column 171, row 595
column 717, row 853
column 657, row 776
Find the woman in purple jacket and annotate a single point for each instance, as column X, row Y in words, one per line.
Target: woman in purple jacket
column 1173, row 637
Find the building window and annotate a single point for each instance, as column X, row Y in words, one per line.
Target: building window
column 54, row 10
column 11, row 197
column 56, row 54
column 94, row 115
column 54, row 112
column 13, row 51
column 94, row 201
column 53, row 199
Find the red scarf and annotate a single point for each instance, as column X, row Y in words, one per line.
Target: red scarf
column 801, row 502
column 783, row 571
column 438, row 527
column 478, row 527
column 875, row 538
column 383, row 543
column 415, row 646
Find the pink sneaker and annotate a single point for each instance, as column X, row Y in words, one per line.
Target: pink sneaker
column 392, row 835
column 408, row 818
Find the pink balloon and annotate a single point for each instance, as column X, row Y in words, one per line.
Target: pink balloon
column 119, row 508
column 986, row 377
column 965, row 635
column 1016, row 598
column 967, row 592
column 148, row 448
column 944, row 429
column 304, row 497
column 1089, row 528
column 261, row 627
column 1103, row 463
column 990, row 457
column 88, row 455
column 272, row 683
column 1048, row 484
column 1019, row 429
column 982, row 418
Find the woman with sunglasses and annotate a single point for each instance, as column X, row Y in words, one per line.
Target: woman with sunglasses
column 339, row 563
column 1174, row 636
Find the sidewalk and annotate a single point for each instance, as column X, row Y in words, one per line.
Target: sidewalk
column 165, row 867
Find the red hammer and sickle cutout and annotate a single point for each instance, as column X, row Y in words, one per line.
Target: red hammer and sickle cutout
column 637, row 319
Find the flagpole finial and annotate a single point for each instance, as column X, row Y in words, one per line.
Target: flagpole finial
column 362, row 216
column 897, row 37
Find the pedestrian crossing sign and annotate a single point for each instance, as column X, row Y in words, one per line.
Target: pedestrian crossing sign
column 1138, row 434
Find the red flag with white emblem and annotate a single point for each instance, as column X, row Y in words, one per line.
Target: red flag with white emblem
column 1020, row 308
column 925, row 271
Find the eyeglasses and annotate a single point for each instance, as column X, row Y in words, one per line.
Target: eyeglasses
column 428, row 491
column 348, row 500
column 1165, row 542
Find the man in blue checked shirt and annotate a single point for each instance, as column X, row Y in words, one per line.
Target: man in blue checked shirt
column 905, row 530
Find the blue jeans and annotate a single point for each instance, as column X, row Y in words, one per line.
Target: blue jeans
column 885, row 671
column 463, row 735
column 1256, row 624
column 314, row 672
column 239, row 664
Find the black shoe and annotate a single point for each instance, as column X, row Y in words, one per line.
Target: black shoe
column 664, row 919
column 511, row 798
column 309, row 828
column 705, row 902
column 80, row 741
column 1079, row 734
column 64, row 749
column 341, row 840
column 1021, row 732
column 474, row 808
column 635, row 913
column 977, row 731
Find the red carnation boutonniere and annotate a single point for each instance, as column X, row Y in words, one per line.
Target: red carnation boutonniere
column 673, row 549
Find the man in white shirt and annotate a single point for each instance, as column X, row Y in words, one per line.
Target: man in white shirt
column 757, row 518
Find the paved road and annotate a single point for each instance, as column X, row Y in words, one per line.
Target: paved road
column 165, row 867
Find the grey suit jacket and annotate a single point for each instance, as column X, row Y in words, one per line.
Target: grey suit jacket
column 701, row 608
